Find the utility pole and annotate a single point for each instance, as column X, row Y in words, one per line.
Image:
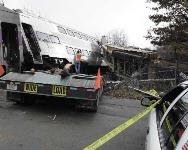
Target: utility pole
column 177, row 67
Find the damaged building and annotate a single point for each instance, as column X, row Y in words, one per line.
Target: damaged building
column 129, row 61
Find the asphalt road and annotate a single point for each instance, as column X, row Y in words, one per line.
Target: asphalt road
column 58, row 126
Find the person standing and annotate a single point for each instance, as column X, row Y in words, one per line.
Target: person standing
column 77, row 60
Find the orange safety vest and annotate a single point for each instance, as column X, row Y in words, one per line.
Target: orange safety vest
column 78, row 57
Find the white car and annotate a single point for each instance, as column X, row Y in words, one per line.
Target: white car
column 168, row 122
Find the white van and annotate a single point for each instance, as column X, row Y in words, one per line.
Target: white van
column 168, row 122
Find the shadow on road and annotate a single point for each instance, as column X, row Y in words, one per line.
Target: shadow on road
column 47, row 105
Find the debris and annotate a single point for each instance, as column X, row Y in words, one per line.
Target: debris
column 110, row 85
column 54, row 117
column 124, row 92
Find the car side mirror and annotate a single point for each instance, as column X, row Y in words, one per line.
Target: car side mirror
column 146, row 102
column 45, row 40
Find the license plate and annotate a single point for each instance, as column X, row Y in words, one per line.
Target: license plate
column 12, row 86
column 59, row 90
column 30, row 87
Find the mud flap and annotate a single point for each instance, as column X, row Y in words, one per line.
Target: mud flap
column 14, row 97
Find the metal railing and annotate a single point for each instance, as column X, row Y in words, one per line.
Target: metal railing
column 167, row 74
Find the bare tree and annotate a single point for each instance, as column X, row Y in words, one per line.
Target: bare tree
column 117, row 37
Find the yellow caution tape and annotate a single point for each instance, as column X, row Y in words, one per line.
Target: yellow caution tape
column 153, row 92
column 120, row 128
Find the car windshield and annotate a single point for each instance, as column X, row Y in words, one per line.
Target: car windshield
column 168, row 99
column 54, row 39
column 185, row 100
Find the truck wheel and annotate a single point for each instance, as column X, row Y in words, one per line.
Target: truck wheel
column 96, row 103
column 101, row 91
column 22, row 102
column 14, row 97
column 26, row 100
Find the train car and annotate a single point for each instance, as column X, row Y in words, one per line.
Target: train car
column 53, row 44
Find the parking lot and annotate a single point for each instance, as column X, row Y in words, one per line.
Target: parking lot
column 57, row 126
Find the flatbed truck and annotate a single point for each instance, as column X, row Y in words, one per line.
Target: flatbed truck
column 76, row 86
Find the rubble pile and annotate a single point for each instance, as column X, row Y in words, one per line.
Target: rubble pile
column 119, row 90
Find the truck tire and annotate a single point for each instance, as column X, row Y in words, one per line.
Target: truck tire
column 14, row 97
column 28, row 100
column 23, row 100
column 96, row 103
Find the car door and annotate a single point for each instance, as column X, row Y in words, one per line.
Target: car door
column 174, row 120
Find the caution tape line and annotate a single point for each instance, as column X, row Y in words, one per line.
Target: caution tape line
column 120, row 128
column 152, row 93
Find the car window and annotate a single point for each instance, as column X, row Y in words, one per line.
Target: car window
column 175, row 122
column 185, row 98
column 170, row 96
column 89, row 52
column 84, row 37
column 77, row 35
column 62, row 30
column 70, row 50
column 168, row 99
column 70, row 32
column 54, row 39
column 43, row 36
column 85, row 53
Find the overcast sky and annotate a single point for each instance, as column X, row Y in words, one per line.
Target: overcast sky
column 94, row 17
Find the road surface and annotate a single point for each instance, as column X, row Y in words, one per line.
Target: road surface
column 58, row 126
